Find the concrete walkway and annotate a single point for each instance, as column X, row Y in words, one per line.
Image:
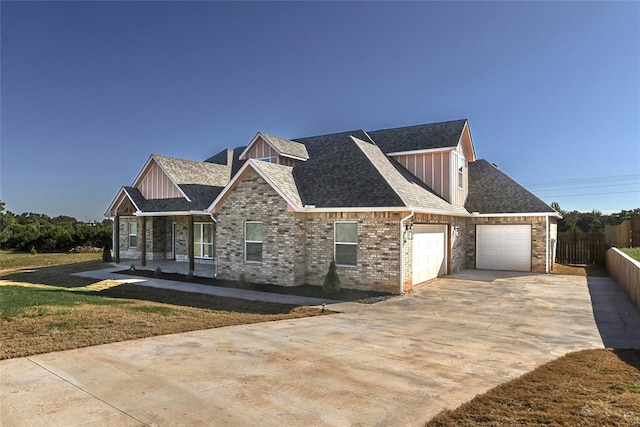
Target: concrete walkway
column 398, row 362
column 109, row 274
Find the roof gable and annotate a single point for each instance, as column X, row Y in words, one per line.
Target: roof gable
column 413, row 192
column 419, row 137
column 279, row 177
column 284, row 147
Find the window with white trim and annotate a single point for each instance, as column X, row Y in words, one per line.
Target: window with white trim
column 345, row 243
column 460, row 172
column 203, row 239
column 272, row 159
column 253, row 241
column 133, row 234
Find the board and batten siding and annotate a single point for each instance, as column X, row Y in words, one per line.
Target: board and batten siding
column 459, row 195
column 439, row 170
column 262, row 150
column 434, row 169
column 155, row 184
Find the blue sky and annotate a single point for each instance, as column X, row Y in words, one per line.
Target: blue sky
column 90, row 89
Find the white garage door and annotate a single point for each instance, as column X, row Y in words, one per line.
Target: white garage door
column 429, row 252
column 503, row 247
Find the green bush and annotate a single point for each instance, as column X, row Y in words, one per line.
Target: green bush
column 33, row 251
column 158, row 271
column 331, row 281
column 106, row 254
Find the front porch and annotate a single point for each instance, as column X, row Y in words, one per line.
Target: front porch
column 169, row 266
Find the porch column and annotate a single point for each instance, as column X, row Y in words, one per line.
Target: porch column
column 116, row 239
column 144, row 241
column 192, row 265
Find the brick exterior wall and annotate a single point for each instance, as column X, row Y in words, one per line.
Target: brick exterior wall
column 254, row 200
column 378, row 262
column 298, row 247
column 538, row 238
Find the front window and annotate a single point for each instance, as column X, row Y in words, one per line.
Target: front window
column 203, row 240
column 253, row 241
column 133, row 234
column 460, row 172
column 346, row 243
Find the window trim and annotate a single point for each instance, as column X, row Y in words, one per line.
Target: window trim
column 129, row 234
column 253, row 241
column 270, row 159
column 460, row 172
column 335, row 243
column 201, row 243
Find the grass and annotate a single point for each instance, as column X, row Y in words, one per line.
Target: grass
column 44, row 308
column 9, row 259
column 584, row 388
column 632, row 252
column 579, row 270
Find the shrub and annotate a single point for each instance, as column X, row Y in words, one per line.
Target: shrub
column 106, row 254
column 132, row 268
column 33, row 251
column 331, row 281
column 158, row 271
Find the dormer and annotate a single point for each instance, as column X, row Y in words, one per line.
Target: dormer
column 273, row 149
column 438, row 154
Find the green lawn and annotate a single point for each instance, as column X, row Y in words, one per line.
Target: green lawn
column 23, row 300
column 24, row 259
column 632, row 252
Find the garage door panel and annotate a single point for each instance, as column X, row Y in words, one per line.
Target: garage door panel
column 503, row 247
column 429, row 252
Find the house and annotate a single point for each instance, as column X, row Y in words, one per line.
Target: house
column 393, row 207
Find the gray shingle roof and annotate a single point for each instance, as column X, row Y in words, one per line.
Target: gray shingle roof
column 419, row 137
column 184, row 171
column 286, row 146
column 413, row 192
column 493, row 191
column 338, row 174
column 282, row 177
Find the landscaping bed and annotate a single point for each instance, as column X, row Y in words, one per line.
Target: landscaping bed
column 302, row 290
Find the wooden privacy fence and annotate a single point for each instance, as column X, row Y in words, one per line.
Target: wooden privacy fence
column 624, row 235
column 580, row 248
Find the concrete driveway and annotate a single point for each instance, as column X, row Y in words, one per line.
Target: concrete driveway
column 398, row 362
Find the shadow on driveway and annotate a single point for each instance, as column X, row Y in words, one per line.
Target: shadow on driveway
column 617, row 318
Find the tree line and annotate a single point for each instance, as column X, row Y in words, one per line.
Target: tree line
column 590, row 222
column 38, row 232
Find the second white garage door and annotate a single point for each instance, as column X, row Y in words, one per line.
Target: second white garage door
column 429, row 252
column 503, row 247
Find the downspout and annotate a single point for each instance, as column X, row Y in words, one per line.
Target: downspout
column 215, row 241
column 402, row 250
column 546, row 230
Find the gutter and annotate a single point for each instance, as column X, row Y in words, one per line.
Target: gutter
column 402, row 250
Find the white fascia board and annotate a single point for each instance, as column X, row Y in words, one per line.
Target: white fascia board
column 144, row 168
column 112, row 205
column 388, row 209
column 265, row 139
column 170, row 179
column 253, row 141
column 250, row 163
column 508, row 215
column 473, row 148
column 175, row 213
column 429, row 150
